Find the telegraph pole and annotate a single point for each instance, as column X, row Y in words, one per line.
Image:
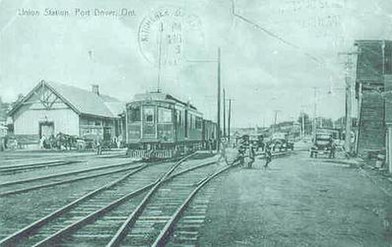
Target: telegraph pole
column 224, row 113
column 218, row 100
column 348, row 99
column 303, row 124
column 314, row 122
column 218, row 132
column 302, row 116
column 275, row 119
column 160, row 58
column 229, row 120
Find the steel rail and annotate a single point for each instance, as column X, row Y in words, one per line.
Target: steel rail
column 40, row 186
column 166, row 231
column 95, row 215
column 30, row 164
column 64, row 174
column 37, row 165
column 28, row 230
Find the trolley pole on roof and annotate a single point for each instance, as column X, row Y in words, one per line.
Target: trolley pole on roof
column 218, row 132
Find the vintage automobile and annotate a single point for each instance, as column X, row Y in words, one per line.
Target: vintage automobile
column 322, row 141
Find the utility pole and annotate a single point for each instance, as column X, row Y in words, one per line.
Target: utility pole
column 348, row 99
column 218, row 132
column 224, row 113
column 275, row 119
column 229, row 119
column 303, row 124
column 302, row 116
column 218, row 100
column 160, row 58
column 314, row 122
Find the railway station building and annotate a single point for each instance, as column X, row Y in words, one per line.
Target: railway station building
column 51, row 107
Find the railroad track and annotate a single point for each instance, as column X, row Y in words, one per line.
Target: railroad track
column 29, row 166
column 152, row 221
column 102, row 211
column 111, row 195
column 26, row 185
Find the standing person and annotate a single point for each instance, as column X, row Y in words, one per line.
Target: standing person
column 268, row 156
column 252, row 155
column 332, row 148
column 210, row 145
column 99, row 146
column 241, row 152
column 260, row 143
column 2, row 143
column 240, row 156
column 42, row 142
column 222, row 151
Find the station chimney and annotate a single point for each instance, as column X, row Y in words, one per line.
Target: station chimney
column 95, row 89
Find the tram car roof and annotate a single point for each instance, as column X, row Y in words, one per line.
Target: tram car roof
column 159, row 96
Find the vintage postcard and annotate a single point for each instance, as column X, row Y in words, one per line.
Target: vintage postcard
column 196, row 123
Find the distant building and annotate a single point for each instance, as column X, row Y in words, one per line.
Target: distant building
column 52, row 107
column 292, row 128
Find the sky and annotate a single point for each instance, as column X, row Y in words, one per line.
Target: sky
column 273, row 53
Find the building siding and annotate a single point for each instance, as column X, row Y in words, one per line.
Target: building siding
column 26, row 122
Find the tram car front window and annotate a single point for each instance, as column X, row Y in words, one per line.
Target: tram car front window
column 149, row 114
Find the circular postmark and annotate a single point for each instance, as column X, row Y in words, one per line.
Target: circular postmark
column 165, row 32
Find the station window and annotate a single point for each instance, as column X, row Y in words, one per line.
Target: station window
column 149, row 115
column 135, row 114
column 164, row 115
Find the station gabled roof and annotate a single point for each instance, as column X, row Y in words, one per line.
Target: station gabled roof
column 83, row 102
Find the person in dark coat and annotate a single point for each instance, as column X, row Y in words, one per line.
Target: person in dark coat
column 268, row 156
column 332, row 148
column 252, row 155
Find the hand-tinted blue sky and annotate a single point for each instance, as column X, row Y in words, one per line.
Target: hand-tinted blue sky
column 260, row 72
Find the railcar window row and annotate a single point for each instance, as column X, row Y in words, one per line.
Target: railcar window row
column 165, row 115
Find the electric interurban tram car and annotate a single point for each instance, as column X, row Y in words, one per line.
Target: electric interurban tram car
column 162, row 126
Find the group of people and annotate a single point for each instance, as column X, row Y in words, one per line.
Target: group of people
column 58, row 141
column 246, row 152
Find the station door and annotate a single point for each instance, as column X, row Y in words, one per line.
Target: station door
column 46, row 129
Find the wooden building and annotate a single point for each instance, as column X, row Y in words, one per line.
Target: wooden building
column 52, row 107
column 374, row 64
